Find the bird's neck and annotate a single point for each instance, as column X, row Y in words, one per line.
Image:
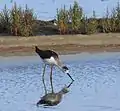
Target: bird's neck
column 59, row 64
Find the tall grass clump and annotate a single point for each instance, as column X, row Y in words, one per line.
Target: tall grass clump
column 5, row 20
column 18, row 21
column 15, row 20
column 69, row 20
column 76, row 17
column 22, row 21
column 106, row 22
column 62, row 20
column 92, row 24
column 84, row 25
column 111, row 22
column 117, row 16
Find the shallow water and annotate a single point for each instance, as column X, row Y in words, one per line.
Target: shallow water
column 96, row 85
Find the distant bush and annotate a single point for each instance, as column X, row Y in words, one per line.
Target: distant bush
column 5, row 20
column 111, row 22
column 17, row 21
column 22, row 21
column 69, row 20
column 74, row 21
column 91, row 24
column 76, row 17
column 84, row 25
column 77, row 22
column 62, row 20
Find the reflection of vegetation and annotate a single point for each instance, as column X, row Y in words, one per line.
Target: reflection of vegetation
column 22, row 22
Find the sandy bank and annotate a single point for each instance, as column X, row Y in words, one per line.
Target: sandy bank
column 63, row 44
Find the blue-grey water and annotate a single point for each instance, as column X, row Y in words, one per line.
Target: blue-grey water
column 96, row 86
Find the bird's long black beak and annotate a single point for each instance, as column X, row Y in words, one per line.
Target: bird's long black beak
column 70, row 76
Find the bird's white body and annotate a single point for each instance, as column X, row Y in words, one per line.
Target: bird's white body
column 50, row 61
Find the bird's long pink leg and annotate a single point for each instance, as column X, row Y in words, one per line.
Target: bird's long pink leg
column 51, row 79
column 43, row 79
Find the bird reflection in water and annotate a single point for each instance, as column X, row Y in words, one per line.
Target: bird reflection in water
column 52, row 99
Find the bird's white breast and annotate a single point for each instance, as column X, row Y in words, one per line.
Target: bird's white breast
column 51, row 60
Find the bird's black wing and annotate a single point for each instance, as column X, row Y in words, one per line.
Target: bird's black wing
column 48, row 53
column 54, row 54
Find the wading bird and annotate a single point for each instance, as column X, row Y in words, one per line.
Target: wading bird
column 51, row 58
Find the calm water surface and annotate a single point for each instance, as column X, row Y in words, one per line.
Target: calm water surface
column 96, row 86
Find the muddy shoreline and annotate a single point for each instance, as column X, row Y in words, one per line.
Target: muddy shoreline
column 63, row 44
column 61, row 49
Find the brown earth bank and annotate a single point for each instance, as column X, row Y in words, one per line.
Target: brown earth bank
column 63, row 44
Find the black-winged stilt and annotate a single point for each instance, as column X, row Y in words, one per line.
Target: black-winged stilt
column 51, row 58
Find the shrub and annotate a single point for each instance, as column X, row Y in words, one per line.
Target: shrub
column 70, row 20
column 62, row 20
column 76, row 13
column 22, row 21
column 5, row 20
column 92, row 24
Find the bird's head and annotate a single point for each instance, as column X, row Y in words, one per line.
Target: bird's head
column 66, row 71
column 37, row 50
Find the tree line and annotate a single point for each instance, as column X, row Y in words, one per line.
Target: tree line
column 19, row 21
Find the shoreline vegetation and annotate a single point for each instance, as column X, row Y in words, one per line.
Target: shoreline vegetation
column 23, row 22
column 70, row 32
